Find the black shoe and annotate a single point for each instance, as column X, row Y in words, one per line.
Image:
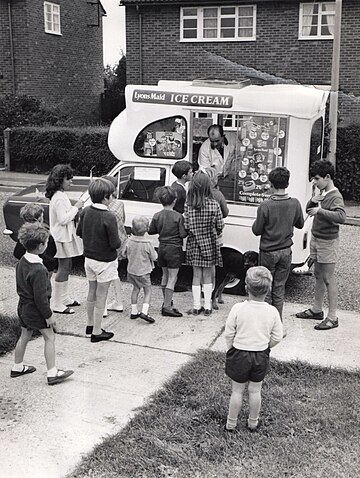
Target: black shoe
column 60, row 376
column 103, row 336
column 170, row 312
column 147, row 318
column 89, row 329
column 134, row 316
column 207, row 312
column 195, row 311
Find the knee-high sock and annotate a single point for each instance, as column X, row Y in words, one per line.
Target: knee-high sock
column 58, row 304
column 207, row 295
column 196, row 292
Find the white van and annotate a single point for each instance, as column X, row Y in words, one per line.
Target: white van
column 275, row 125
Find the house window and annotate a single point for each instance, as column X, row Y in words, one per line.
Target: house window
column 317, row 20
column 52, row 18
column 230, row 23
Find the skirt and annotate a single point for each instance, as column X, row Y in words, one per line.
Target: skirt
column 65, row 250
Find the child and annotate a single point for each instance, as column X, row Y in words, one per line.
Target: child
column 169, row 224
column 118, row 209
column 98, row 229
column 62, row 228
column 141, row 256
column 328, row 211
column 34, row 291
column 252, row 328
column 204, row 223
column 183, row 171
column 275, row 222
column 33, row 213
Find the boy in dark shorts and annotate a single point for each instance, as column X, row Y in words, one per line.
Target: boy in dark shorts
column 252, row 328
column 34, row 291
column 183, row 171
column 141, row 256
column 169, row 224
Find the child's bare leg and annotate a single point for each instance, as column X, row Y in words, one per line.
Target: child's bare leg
column 328, row 277
column 235, row 404
column 90, row 302
column 320, row 288
column 254, row 390
column 20, row 349
column 49, row 348
column 134, row 298
column 164, row 280
column 170, row 285
column 147, row 298
column 101, row 295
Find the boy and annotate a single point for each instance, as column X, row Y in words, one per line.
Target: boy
column 98, row 229
column 183, row 171
column 275, row 222
column 34, row 291
column 252, row 328
column 328, row 211
column 169, row 224
column 141, row 256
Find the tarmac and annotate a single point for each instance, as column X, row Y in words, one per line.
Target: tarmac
column 45, row 431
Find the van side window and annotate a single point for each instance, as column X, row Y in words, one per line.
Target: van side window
column 139, row 183
column 316, row 142
column 165, row 138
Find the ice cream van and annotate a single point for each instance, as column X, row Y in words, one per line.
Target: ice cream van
column 273, row 125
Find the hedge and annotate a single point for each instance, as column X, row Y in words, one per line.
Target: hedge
column 38, row 149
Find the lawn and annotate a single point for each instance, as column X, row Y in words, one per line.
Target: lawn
column 310, row 428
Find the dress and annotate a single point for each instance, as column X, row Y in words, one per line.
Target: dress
column 62, row 226
column 204, row 226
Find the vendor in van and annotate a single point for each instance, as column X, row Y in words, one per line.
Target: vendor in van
column 216, row 150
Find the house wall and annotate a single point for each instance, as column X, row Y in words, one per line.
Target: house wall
column 276, row 51
column 64, row 70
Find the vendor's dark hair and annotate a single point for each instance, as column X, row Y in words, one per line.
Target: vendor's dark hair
column 56, row 177
column 279, row 177
column 220, row 129
column 322, row 167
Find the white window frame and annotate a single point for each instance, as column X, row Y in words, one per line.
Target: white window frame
column 54, row 18
column 200, row 18
column 321, row 13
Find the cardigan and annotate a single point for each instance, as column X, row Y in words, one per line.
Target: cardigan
column 329, row 216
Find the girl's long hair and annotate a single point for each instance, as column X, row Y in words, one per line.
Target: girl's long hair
column 199, row 190
column 56, row 177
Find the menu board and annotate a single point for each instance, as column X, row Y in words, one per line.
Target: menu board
column 261, row 143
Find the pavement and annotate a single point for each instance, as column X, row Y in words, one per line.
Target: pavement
column 45, row 431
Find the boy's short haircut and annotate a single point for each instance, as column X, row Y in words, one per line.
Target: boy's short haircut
column 32, row 234
column 279, row 177
column 100, row 189
column 180, row 168
column 322, row 167
column 112, row 179
column 31, row 212
column 166, row 195
column 140, row 225
column 258, row 280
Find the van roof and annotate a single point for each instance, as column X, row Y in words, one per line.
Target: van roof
column 280, row 99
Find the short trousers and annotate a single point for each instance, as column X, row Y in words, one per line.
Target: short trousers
column 30, row 318
column 170, row 256
column 139, row 281
column 101, row 271
column 244, row 365
column 324, row 251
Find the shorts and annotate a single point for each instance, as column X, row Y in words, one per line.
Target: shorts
column 170, row 256
column 324, row 251
column 244, row 365
column 30, row 318
column 139, row 281
column 101, row 271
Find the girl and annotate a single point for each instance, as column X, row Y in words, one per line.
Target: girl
column 62, row 228
column 204, row 223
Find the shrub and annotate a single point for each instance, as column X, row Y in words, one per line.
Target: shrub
column 9, row 333
column 348, row 161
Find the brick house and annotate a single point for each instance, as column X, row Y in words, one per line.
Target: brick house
column 266, row 40
column 53, row 50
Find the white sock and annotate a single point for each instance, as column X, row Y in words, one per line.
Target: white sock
column 134, row 309
column 145, row 308
column 196, row 292
column 18, row 367
column 58, row 295
column 52, row 372
column 207, row 295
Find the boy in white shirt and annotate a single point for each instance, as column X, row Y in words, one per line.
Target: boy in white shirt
column 252, row 328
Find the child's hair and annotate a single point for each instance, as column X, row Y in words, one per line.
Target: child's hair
column 322, row 167
column 199, row 190
column 212, row 175
column 180, row 168
column 56, row 177
column 113, row 181
column 100, row 189
column 140, row 225
column 32, row 234
column 31, row 212
column 166, row 195
column 258, row 280
column 279, row 177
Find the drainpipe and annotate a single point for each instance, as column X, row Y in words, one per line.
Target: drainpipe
column 12, row 57
column 140, row 45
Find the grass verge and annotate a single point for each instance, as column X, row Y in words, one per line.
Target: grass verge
column 9, row 333
column 309, row 428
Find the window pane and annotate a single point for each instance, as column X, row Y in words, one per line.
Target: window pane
column 190, row 23
column 245, row 22
column 227, row 11
column 228, row 33
column 211, row 23
column 189, row 34
column 48, row 17
column 228, row 22
column 245, row 32
column 246, row 11
column 210, row 33
column 328, row 7
column 210, row 12
column 48, row 26
column 190, row 12
column 55, row 8
column 325, row 30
